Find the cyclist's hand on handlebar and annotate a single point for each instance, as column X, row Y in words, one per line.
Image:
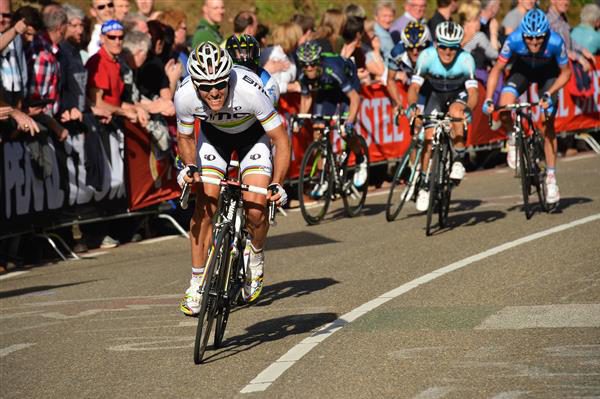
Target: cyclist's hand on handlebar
column 188, row 175
column 277, row 194
column 546, row 103
column 397, row 113
column 297, row 124
column 348, row 128
column 467, row 114
column 411, row 111
column 488, row 107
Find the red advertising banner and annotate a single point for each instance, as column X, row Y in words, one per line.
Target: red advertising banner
column 151, row 176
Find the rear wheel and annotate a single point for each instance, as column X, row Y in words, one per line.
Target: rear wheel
column 315, row 171
column 404, row 177
column 354, row 197
column 538, row 160
column 433, row 187
column 445, row 185
column 525, row 174
column 209, row 304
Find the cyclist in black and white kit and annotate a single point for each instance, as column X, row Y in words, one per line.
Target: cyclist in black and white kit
column 235, row 114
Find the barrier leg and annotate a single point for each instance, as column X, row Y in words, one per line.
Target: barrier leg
column 52, row 244
column 64, row 244
column 589, row 140
column 175, row 224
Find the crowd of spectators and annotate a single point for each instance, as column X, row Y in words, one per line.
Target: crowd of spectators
column 64, row 72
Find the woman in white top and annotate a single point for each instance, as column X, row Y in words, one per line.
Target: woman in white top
column 278, row 59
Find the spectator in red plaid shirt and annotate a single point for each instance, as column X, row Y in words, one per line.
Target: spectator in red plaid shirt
column 44, row 70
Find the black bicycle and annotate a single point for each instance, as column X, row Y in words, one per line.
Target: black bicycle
column 224, row 270
column 438, row 168
column 530, row 155
column 326, row 174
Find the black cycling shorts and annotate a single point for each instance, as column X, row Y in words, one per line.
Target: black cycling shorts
column 521, row 77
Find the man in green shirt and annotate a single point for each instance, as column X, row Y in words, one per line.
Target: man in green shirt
column 208, row 28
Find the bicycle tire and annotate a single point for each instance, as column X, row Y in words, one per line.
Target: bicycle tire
column 539, row 160
column 433, row 188
column 223, row 301
column 395, row 203
column 313, row 212
column 445, row 186
column 208, row 304
column 525, row 174
column 349, row 191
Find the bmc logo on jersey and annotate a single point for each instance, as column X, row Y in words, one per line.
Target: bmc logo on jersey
column 223, row 116
column 253, row 83
column 254, row 157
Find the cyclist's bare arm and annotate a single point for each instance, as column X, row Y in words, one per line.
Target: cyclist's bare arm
column 186, row 143
column 562, row 80
column 305, row 103
column 393, row 88
column 281, row 163
column 413, row 93
column 354, row 103
column 492, row 82
column 473, row 93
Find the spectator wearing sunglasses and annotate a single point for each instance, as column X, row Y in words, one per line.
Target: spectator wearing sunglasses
column 102, row 11
column 105, row 84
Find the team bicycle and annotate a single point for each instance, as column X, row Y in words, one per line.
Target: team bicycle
column 234, row 101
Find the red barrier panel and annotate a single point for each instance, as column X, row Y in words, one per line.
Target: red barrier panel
column 151, row 179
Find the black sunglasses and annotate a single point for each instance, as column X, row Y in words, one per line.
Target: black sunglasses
column 6, row 14
column 103, row 6
column 527, row 37
column 115, row 37
column 208, row 87
column 444, row 47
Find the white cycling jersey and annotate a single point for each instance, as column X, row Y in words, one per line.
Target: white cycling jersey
column 246, row 103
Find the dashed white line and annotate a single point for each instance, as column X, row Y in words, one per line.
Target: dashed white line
column 12, row 274
column 276, row 369
column 433, row 393
column 13, row 348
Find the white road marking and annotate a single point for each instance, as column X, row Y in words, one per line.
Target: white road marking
column 543, row 316
column 159, row 239
column 12, row 274
column 276, row 369
column 92, row 255
column 13, row 348
column 579, row 157
column 433, row 393
column 510, row 395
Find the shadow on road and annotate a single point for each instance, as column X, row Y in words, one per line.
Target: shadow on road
column 287, row 289
column 468, row 219
column 271, row 330
column 298, row 239
column 563, row 204
column 461, row 205
column 39, row 288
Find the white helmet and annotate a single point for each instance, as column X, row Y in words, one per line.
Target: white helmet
column 448, row 33
column 209, row 63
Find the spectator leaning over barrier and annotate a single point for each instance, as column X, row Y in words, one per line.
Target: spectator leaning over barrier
column 489, row 23
column 135, row 21
column 245, row 22
column 122, row 8
column 279, row 60
column 475, row 41
column 385, row 11
column 13, row 66
column 33, row 19
column 414, row 11
column 146, row 7
column 372, row 44
column 105, row 85
column 307, row 23
column 513, row 18
column 157, row 79
column 557, row 17
column 102, row 11
column 43, row 100
column 20, row 121
column 445, row 9
column 367, row 61
column 586, row 33
column 177, row 21
column 329, row 31
column 208, row 29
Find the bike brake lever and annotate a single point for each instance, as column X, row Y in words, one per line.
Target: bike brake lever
column 272, row 213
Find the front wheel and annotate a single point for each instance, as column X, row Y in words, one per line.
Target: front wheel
column 210, row 297
column 402, row 187
column 525, row 174
column 445, row 185
column 315, row 183
column 354, row 197
column 434, row 176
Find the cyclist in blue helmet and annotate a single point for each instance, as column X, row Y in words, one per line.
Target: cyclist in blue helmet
column 538, row 55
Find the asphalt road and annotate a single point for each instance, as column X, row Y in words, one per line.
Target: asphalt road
column 353, row 308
